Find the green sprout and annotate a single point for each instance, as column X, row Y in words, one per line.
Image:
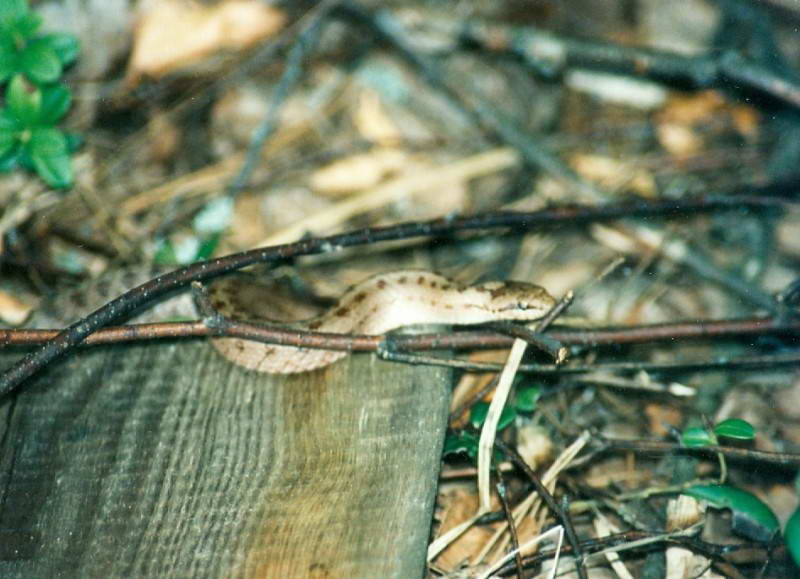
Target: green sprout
column 41, row 58
column 34, row 103
column 733, row 428
column 27, row 135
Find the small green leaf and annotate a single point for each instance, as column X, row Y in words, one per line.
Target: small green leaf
column 696, row 437
column 55, row 170
column 461, row 442
column 752, row 518
column 735, row 428
column 40, row 62
column 165, row 254
column 65, row 46
column 207, row 247
column 477, row 415
column 8, row 138
column 74, row 141
column 56, row 101
column 791, row 535
column 8, row 121
column 9, row 161
column 527, row 398
column 9, row 64
column 12, row 10
column 47, row 141
column 24, row 100
column 27, row 24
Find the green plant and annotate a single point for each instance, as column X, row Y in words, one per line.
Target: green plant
column 791, row 535
column 40, row 57
column 733, row 428
column 752, row 518
column 33, row 103
column 465, row 441
column 27, row 135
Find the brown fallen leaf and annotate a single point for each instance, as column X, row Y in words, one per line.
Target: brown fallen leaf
column 173, row 34
column 13, row 311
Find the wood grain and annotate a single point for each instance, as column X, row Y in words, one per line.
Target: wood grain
column 166, row 460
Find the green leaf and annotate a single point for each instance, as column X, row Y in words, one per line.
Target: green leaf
column 11, row 10
column 752, row 518
column 26, row 25
column 696, row 437
column 165, row 254
column 47, row 141
column 8, row 138
column 9, row 121
column 461, row 442
column 24, row 100
column 65, row 46
column 735, row 428
column 55, row 170
column 791, row 535
column 56, row 100
column 207, row 247
column 9, row 64
column 477, row 415
column 527, row 398
column 74, row 141
column 40, row 62
column 9, row 161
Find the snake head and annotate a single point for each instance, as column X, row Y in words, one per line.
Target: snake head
column 516, row 300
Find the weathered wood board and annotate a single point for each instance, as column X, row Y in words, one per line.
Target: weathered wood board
column 157, row 460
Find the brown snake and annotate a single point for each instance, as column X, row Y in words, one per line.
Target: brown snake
column 377, row 305
column 380, row 304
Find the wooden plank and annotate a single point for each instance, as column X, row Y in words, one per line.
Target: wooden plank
column 166, row 460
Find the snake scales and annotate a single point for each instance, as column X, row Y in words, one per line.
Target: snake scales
column 375, row 306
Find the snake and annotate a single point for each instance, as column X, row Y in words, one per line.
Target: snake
column 377, row 305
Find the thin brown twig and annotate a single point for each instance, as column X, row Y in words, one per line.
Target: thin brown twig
column 784, row 459
column 512, row 527
column 463, row 340
column 547, row 499
column 707, row 365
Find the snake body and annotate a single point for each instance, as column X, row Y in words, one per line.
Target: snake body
column 378, row 305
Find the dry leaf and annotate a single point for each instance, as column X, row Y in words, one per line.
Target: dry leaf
column 615, row 174
column 661, row 416
column 173, row 34
column 679, row 140
column 373, row 122
column 13, row 311
column 164, row 137
column 357, row 172
column 534, row 444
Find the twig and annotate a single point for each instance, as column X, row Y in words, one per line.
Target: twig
column 784, row 459
column 512, row 527
column 550, row 54
column 473, row 400
column 306, row 39
column 742, row 362
column 142, row 294
column 462, row 340
column 631, row 540
column 547, row 498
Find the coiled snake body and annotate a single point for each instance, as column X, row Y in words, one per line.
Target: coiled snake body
column 380, row 304
column 375, row 306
